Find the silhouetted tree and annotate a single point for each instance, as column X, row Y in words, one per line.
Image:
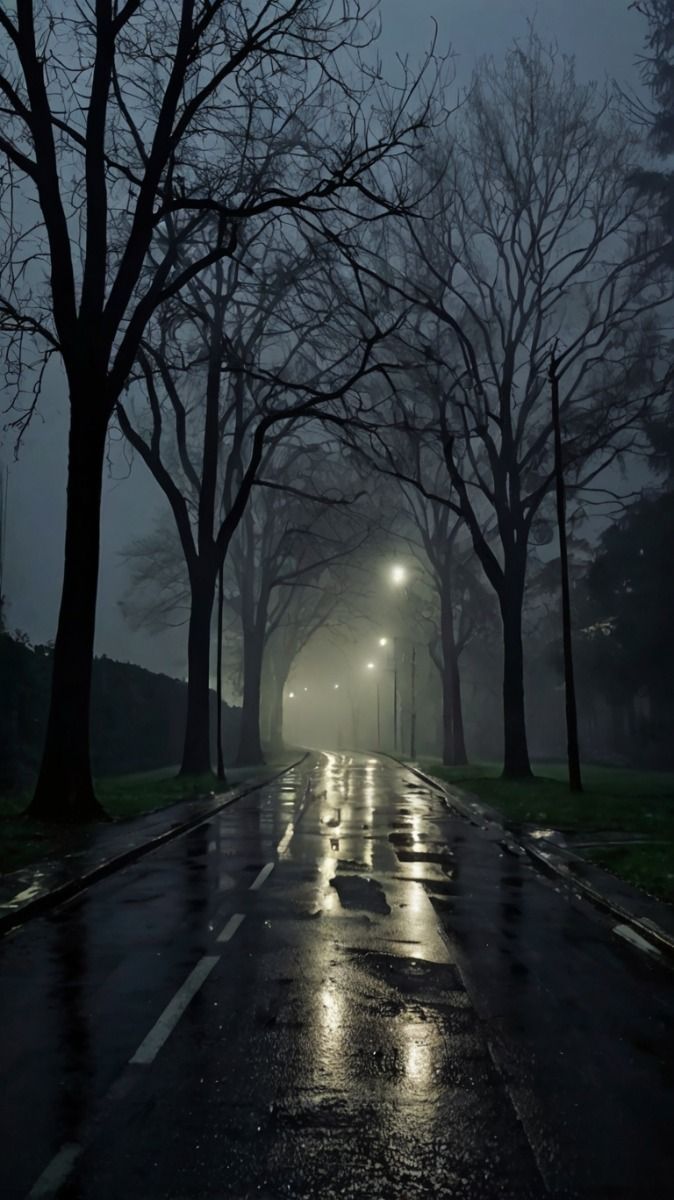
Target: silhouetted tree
column 657, row 71
column 531, row 233
column 179, row 109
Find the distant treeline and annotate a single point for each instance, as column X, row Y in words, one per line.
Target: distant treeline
column 137, row 716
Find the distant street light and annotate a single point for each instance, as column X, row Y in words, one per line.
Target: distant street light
column 291, row 695
column 383, row 641
column 398, row 575
column 372, row 667
column 336, row 686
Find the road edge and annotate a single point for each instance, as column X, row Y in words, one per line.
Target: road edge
column 38, row 905
column 467, row 805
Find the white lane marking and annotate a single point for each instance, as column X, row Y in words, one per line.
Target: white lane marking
column 286, row 839
column 56, row 1172
column 626, row 932
column 259, row 879
column 231, row 927
column 163, row 1027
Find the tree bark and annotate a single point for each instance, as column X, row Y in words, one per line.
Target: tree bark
column 453, row 740
column 460, row 753
column 572, row 746
column 64, row 790
column 276, row 712
column 516, row 763
column 218, row 726
column 197, row 745
column 250, row 742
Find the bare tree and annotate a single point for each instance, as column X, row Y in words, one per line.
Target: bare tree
column 312, row 606
column 290, row 538
column 532, row 233
column 231, row 370
column 124, row 122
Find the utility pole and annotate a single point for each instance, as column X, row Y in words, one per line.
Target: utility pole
column 4, row 488
column 218, row 726
column 395, row 695
column 573, row 753
column 413, row 709
column 378, row 718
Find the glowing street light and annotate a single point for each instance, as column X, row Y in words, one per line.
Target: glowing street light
column 291, row 695
column 336, row 685
column 383, row 641
column 398, row 575
column 370, row 666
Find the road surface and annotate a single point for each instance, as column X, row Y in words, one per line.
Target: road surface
column 334, row 988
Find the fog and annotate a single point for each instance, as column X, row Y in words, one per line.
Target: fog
column 605, row 39
column 338, row 700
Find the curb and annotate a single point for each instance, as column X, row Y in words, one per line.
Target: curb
column 658, row 939
column 38, row 905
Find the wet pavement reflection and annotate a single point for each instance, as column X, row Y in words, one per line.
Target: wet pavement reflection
column 385, row 1018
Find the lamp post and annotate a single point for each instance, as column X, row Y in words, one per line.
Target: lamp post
column 399, row 577
column 383, row 642
column 373, row 667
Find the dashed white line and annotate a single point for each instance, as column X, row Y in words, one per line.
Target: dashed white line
column 260, row 878
column 163, row 1027
column 286, row 839
column 231, row 927
column 629, row 934
column 56, row 1172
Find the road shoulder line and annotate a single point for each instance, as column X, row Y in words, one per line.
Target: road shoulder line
column 12, row 918
column 658, row 940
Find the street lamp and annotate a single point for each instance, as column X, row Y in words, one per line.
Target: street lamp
column 383, row 641
column 291, row 695
column 372, row 667
column 336, row 685
column 399, row 577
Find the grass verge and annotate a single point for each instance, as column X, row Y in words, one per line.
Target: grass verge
column 614, row 800
column 123, row 797
column 649, row 867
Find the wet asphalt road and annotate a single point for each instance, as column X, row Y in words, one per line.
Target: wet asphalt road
column 334, row 988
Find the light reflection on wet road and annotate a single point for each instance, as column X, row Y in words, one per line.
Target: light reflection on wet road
column 329, row 1046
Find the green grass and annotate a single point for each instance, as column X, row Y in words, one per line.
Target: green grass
column 648, row 867
column 614, row 800
column 23, row 841
column 124, row 796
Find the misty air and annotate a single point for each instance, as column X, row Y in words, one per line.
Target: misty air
column 336, row 599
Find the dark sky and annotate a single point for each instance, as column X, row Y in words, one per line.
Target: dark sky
column 605, row 38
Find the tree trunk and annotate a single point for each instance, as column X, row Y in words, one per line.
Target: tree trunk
column 218, row 726
column 453, row 740
column 276, row 712
column 460, row 755
column 250, row 742
column 516, row 763
column 197, row 745
column 64, row 790
column 572, row 746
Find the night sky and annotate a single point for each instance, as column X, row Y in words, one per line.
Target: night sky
column 604, row 36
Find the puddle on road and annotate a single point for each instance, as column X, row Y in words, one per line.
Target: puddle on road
column 442, row 858
column 429, row 982
column 357, row 892
column 406, row 840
